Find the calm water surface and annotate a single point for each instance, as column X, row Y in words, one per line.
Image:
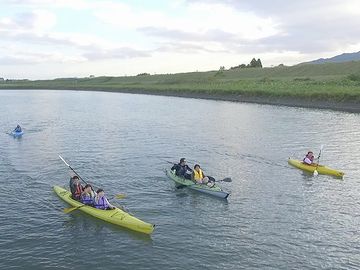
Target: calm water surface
column 276, row 217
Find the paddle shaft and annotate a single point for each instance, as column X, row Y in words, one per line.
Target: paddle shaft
column 318, row 160
column 117, row 196
column 226, row 179
column 73, row 170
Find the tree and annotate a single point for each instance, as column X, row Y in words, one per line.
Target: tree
column 220, row 72
column 253, row 63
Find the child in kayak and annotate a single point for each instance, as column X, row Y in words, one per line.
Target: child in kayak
column 182, row 169
column 75, row 187
column 87, row 196
column 199, row 177
column 101, row 202
column 309, row 159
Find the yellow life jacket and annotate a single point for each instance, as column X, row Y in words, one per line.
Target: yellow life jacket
column 198, row 175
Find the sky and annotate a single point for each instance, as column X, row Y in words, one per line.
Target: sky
column 45, row 39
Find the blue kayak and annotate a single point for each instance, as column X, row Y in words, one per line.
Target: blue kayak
column 17, row 133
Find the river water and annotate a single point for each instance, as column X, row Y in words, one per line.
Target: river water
column 277, row 217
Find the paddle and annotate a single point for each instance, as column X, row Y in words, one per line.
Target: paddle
column 318, row 160
column 73, row 170
column 226, row 179
column 117, row 196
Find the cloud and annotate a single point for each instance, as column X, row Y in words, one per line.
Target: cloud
column 36, row 20
column 193, row 33
column 216, row 35
column 306, row 26
column 18, row 57
column 118, row 53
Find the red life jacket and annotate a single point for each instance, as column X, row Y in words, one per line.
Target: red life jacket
column 78, row 191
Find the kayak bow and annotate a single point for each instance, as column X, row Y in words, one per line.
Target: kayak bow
column 16, row 133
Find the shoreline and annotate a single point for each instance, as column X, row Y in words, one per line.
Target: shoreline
column 351, row 107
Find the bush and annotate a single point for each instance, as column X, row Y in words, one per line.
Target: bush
column 354, row 77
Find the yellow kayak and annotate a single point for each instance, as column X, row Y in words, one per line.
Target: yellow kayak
column 115, row 216
column 321, row 169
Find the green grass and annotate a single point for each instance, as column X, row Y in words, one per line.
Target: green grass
column 338, row 82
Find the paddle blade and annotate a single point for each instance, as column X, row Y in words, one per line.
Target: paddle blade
column 64, row 161
column 69, row 209
column 227, row 179
column 120, row 196
column 316, row 173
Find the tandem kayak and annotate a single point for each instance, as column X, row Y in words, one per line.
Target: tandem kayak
column 17, row 133
column 115, row 216
column 320, row 169
column 214, row 191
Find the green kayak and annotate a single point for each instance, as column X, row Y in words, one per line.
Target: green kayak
column 214, row 190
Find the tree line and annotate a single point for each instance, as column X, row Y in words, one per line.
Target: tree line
column 253, row 64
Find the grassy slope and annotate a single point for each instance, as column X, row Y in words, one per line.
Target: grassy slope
column 329, row 81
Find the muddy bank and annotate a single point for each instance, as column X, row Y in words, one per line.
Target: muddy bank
column 278, row 101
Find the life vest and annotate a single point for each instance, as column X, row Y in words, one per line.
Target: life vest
column 86, row 199
column 198, row 175
column 78, row 191
column 307, row 159
column 101, row 203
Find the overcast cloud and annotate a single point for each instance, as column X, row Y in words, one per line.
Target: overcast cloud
column 108, row 37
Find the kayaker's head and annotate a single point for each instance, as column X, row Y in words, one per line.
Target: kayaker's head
column 18, row 126
column 182, row 161
column 197, row 167
column 76, row 178
column 310, row 155
column 100, row 192
column 87, row 188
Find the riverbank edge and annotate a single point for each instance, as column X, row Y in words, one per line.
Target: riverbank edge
column 352, row 107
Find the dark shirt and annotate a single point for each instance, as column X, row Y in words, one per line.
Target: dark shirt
column 73, row 187
column 182, row 171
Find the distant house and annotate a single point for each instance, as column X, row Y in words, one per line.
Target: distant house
column 2, row 79
column 92, row 76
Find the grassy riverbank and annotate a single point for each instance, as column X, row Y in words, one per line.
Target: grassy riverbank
column 332, row 82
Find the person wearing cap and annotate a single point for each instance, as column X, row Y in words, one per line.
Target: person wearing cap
column 199, row 177
column 87, row 196
column 182, row 169
column 101, row 202
column 75, row 187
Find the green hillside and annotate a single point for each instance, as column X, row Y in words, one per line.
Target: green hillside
column 330, row 81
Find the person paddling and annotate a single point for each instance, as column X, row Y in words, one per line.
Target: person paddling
column 309, row 159
column 75, row 187
column 87, row 196
column 182, row 169
column 101, row 202
column 18, row 129
column 199, row 177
